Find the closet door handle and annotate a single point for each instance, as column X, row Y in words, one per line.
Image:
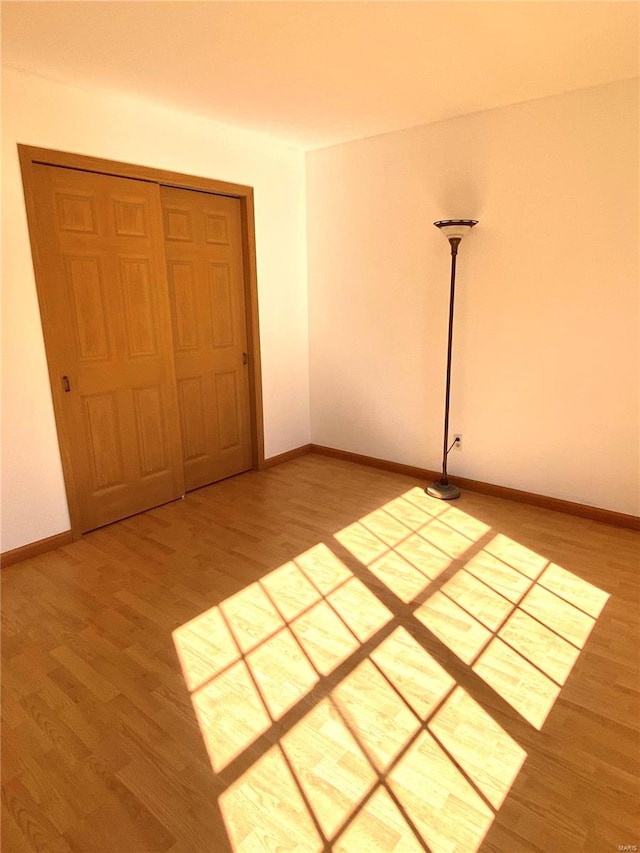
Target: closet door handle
column 66, row 384
column 245, row 358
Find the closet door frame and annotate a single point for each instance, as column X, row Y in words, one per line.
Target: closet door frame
column 31, row 156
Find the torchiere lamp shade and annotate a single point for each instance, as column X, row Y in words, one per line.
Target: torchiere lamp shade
column 455, row 228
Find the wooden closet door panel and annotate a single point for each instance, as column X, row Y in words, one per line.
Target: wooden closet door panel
column 203, row 246
column 104, row 303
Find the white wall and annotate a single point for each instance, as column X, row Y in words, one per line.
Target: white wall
column 545, row 380
column 41, row 113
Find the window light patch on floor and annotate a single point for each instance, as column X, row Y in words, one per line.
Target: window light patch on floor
column 337, row 727
column 332, row 770
column 442, row 803
column 454, row 626
column 490, row 758
column 264, row 809
column 324, row 637
column 412, row 672
column 376, row 714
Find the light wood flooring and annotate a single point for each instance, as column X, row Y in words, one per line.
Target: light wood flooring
column 320, row 657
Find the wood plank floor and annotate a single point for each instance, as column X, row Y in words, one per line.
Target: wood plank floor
column 319, row 657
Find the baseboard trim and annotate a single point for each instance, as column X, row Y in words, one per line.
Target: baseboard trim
column 372, row 462
column 617, row 519
column 34, row 549
column 42, row 546
column 607, row 516
column 287, row 456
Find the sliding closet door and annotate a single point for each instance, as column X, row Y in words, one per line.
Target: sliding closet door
column 99, row 253
column 203, row 246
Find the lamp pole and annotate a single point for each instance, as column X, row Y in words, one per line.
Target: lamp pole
column 454, row 230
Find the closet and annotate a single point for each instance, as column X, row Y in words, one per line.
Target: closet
column 150, row 327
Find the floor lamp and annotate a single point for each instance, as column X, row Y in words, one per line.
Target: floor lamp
column 454, row 230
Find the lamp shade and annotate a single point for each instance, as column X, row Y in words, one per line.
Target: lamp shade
column 455, row 228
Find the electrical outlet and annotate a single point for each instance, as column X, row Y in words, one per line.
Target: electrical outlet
column 457, row 437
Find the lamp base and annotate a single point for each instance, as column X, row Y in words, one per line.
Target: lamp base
column 443, row 491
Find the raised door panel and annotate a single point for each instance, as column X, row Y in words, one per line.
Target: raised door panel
column 140, row 317
column 224, row 328
column 228, row 411
column 182, row 290
column 76, row 211
column 150, row 428
column 216, row 229
column 105, row 306
column 206, row 284
column 192, row 412
column 84, row 280
column 102, row 428
column 177, row 223
column 130, row 217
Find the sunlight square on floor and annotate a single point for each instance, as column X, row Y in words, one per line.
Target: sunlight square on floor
column 522, row 685
column 412, row 514
column 329, row 765
column 547, row 650
column 556, row 613
column 324, row 637
column 251, row 616
column 455, row 627
column 282, row 672
column 230, row 713
column 412, row 672
column 516, row 555
column 290, row 590
column 424, row 556
column 424, row 502
column 501, row 577
column 574, row 590
column 375, row 713
column 463, row 523
column 486, row 753
column 398, row 575
column 323, row 568
column 365, row 545
column 385, row 526
column 479, row 600
column 264, row 809
column 446, row 809
column 204, row 646
column 359, row 608
column 445, row 538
